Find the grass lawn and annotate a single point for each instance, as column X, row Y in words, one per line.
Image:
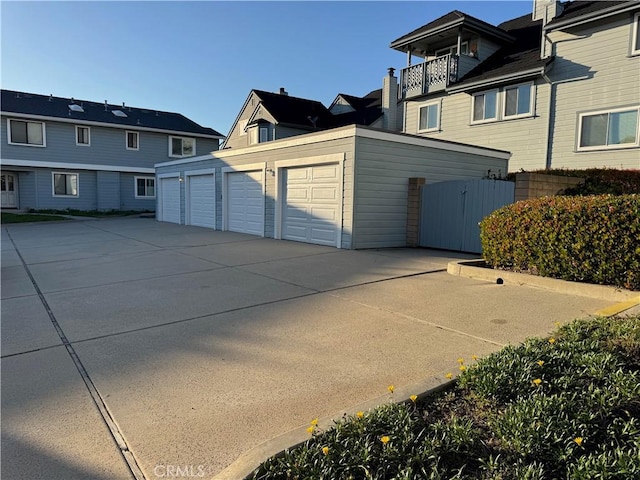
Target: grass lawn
column 92, row 213
column 563, row 407
column 23, row 218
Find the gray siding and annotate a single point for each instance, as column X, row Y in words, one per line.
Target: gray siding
column 27, row 190
column 108, row 147
column 524, row 137
column 595, row 72
column 382, row 171
column 128, row 200
column 86, row 199
column 108, row 190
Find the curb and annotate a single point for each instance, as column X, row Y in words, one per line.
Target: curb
column 475, row 269
column 249, row 461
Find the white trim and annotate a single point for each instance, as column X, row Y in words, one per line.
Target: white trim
column 135, row 187
column 77, row 166
column 532, row 96
column 250, row 167
column 187, row 193
column 635, row 34
column 596, row 15
column 452, row 50
column 182, row 138
column 437, row 103
column 497, row 106
column 607, row 146
column 44, row 134
column 497, row 80
column 281, row 165
column 88, row 144
column 53, row 184
column 16, row 188
column 126, row 140
column 159, row 211
column 43, row 118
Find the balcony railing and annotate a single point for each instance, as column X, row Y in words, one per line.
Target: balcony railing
column 428, row 77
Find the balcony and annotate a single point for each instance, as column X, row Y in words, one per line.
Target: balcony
column 428, row 77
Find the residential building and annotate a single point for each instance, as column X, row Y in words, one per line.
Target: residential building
column 267, row 116
column 64, row 153
column 558, row 88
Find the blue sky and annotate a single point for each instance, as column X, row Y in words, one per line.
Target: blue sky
column 202, row 58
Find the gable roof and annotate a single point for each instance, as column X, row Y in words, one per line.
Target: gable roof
column 295, row 111
column 83, row 111
column 371, row 99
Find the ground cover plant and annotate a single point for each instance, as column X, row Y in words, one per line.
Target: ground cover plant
column 567, row 406
column 8, row 217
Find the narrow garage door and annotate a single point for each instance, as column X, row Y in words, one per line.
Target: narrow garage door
column 312, row 204
column 170, row 188
column 202, row 201
column 245, row 202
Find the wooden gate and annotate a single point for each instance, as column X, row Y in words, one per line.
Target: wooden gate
column 450, row 212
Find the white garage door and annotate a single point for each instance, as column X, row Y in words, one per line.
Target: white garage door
column 312, row 204
column 202, row 201
column 170, row 191
column 245, row 202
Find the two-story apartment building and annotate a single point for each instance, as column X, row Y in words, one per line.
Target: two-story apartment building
column 64, row 153
column 558, row 88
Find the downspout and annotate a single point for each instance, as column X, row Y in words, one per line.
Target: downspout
column 550, row 120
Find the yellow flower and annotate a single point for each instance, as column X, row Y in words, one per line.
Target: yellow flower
column 310, row 429
column 552, row 340
column 461, row 360
column 462, row 368
column 449, row 376
column 360, row 414
column 537, row 382
column 474, row 357
column 325, row 450
column 391, row 388
column 385, row 439
column 578, row 440
column 314, row 422
column 540, row 362
column 413, row 398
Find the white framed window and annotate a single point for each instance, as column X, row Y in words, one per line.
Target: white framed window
column 429, row 117
column 145, row 187
column 616, row 128
column 64, row 184
column 518, row 100
column 83, row 135
column 635, row 35
column 264, row 134
column 22, row 132
column 484, row 107
column 133, row 140
column 182, row 147
column 453, row 50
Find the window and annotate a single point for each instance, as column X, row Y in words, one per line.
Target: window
column 264, row 134
column 65, row 184
column 82, row 136
column 26, row 133
column 132, row 141
column 485, row 106
column 635, row 35
column 429, row 118
column 182, row 147
column 518, row 100
column 464, row 50
column 613, row 129
column 145, row 187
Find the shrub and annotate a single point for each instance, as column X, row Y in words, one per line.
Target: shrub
column 593, row 239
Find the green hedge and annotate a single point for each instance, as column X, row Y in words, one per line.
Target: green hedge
column 594, row 239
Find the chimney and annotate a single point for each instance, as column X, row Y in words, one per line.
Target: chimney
column 390, row 101
column 546, row 10
column 105, row 106
column 283, row 91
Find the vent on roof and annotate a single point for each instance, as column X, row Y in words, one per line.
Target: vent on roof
column 76, row 108
column 118, row 113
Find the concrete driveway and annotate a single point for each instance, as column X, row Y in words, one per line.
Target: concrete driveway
column 132, row 345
